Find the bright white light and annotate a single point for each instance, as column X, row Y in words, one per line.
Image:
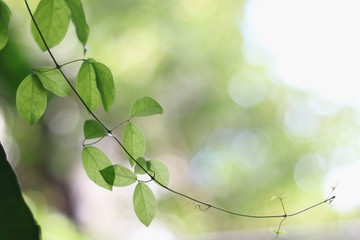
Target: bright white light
column 311, row 44
column 347, row 179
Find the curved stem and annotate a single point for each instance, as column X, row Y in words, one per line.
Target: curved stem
column 109, row 131
column 59, row 67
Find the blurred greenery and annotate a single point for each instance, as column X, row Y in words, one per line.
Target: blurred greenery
column 231, row 134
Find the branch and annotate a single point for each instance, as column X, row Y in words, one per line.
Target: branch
column 109, row 131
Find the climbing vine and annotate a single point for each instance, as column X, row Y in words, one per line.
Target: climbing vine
column 94, row 88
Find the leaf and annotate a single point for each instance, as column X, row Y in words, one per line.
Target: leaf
column 79, row 20
column 5, row 14
column 134, row 142
column 159, row 171
column 86, row 86
column 95, row 160
column 276, row 231
column 53, row 19
column 146, row 106
column 93, row 129
column 53, row 81
column 144, row 203
column 141, row 162
column 31, row 99
column 105, row 84
column 118, row 176
column 16, row 219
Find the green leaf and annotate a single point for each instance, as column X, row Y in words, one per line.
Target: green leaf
column 86, row 86
column 94, row 160
column 146, row 106
column 31, row 99
column 5, row 14
column 93, row 129
column 118, row 176
column 16, row 219
column 105, row 84
column 53, row 81
column 159, row 171
column 79, row 20
column 144, row 203
column 276, row 231
column 53, row 19
column 134, row 142
column 141, row 162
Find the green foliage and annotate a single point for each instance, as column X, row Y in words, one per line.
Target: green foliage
column 143, row 163
column 5, row 14
column 146, row 106
column 54, row 81
column 16, row 219
column 86, row 85
column 79, row 20
column 105, row 84
column 31, row 99
column 118, row 176
column 53, row 19
column 155, row 168
column 134, row 142
column 144, row 203
column 159, row 171
column 93, row 129
column 94, row 160
column 95, row 84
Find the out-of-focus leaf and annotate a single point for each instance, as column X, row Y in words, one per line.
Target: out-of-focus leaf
column 94, row 160
column 79, row 20
column 86, row 86
column 144, row 203
column 159, row 171
column 5, row 14
column 105, row 84
column 53, row 19
column 53, row 81
column 118, row 176
column 16, row 219
column 146, row 106
column 31, row 99
column 134, row 142
column 93, row 129
column 141, row 162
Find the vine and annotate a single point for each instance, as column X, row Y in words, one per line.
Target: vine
column 95, row 86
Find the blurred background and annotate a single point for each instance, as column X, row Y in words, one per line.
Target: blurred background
column 260, row 98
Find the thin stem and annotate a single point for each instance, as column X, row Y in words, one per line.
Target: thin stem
column 109, row 133
column 59, row 67
column 279, row 227
column 120, row 124
column 77, row 60
column 282, row 205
